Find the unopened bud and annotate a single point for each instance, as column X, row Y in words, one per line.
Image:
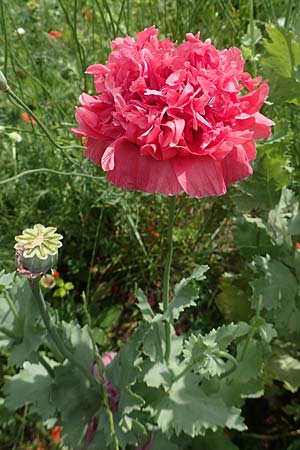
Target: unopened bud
column 37, row 250
column 3, row 83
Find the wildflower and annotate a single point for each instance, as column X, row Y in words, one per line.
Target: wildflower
column 55, row 34
column 21, row 31
column 153, row 233
column 169, row 119
column 108, row 357
column 55, row 274
column 28, row 118
column 297, row 245
column 55, row 434
column 15, row 137
column 32, row 4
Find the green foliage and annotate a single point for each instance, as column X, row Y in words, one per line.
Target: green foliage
column 206, row 353
column 21, row 331
column 233, row 300
column 185, row 294
column 284, row 367
column 76, row 401
column 186, row 408
column 282, row 64
column 248, row 239
column 31, row 385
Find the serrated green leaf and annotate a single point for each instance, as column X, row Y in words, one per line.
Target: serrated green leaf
column 246, row 380
column 213, row 441
column 77, row 402
column 79, row 342
column 31, row 385
column 284, row 367
column 277, row 286
column 263, row 189
column 158, row 374
column 143, row 305
column 186, row 408
column 185, row 294
column 161, row 442
column 27, row 331
column 205, row 352
column 281, row 64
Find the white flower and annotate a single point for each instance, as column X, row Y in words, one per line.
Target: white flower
column 15, row 137
column 21, row 31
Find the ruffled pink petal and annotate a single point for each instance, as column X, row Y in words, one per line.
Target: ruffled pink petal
column 88, row 122
column 95, row 150
column 142, row 173
column 236, row 166
column 262, row 126
column 199, row 176
column 253, row 101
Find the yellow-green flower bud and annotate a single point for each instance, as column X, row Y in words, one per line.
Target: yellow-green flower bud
column 37, row 249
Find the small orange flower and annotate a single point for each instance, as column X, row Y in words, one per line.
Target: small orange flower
column 55, row 433
column 27, row 118
column 153, row 233
column 55, row 274
column 55, row 34
column 297, row 245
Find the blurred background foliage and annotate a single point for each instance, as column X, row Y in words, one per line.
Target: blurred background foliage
column 114, row 238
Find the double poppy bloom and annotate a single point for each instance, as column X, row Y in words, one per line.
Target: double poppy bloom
column 173, row 118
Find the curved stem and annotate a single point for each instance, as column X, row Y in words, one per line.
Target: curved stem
column 230, row 358
column 53, row 334
column 44, row 169
column 183, row 372
column 166, row 279
column 21, row 103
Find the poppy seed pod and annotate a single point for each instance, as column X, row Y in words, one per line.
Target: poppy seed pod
column 37, row 249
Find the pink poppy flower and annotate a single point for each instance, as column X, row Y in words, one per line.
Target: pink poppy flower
column 173, row 118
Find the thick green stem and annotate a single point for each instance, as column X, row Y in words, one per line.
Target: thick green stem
column 166, row 280
column 53, row 334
